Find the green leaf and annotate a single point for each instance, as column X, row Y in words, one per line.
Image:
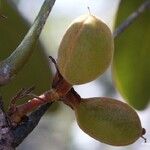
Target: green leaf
column 131, row 63
column 36, row 71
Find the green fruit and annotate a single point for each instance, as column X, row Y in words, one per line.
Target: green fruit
column 131, row 62
column 85, row 51
column 108, row 120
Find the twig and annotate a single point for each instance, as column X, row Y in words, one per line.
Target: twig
column 17, row 113
column 23, row 130
column 131, row 18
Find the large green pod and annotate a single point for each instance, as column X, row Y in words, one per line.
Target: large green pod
column 85, row 51
column 131, row 62
column 108, row 120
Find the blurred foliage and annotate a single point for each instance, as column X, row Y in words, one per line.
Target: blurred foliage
column 131, row 65
column 36, row 71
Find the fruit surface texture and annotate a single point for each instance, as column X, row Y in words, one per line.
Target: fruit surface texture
column 108, row 120
column 85, row 51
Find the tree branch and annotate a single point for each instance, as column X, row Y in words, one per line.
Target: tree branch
column 6, row 136
column 23, row 130
column 131, row 18
column 59, row 88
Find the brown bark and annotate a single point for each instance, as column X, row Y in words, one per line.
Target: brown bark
column 6, row 136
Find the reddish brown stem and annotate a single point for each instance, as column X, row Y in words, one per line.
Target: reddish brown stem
column 72, row 98
column 17, row 113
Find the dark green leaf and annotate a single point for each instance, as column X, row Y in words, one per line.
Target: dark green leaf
column 131, row 64
column 36, row 71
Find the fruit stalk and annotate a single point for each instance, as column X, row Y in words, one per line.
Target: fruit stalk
column 16, row 113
